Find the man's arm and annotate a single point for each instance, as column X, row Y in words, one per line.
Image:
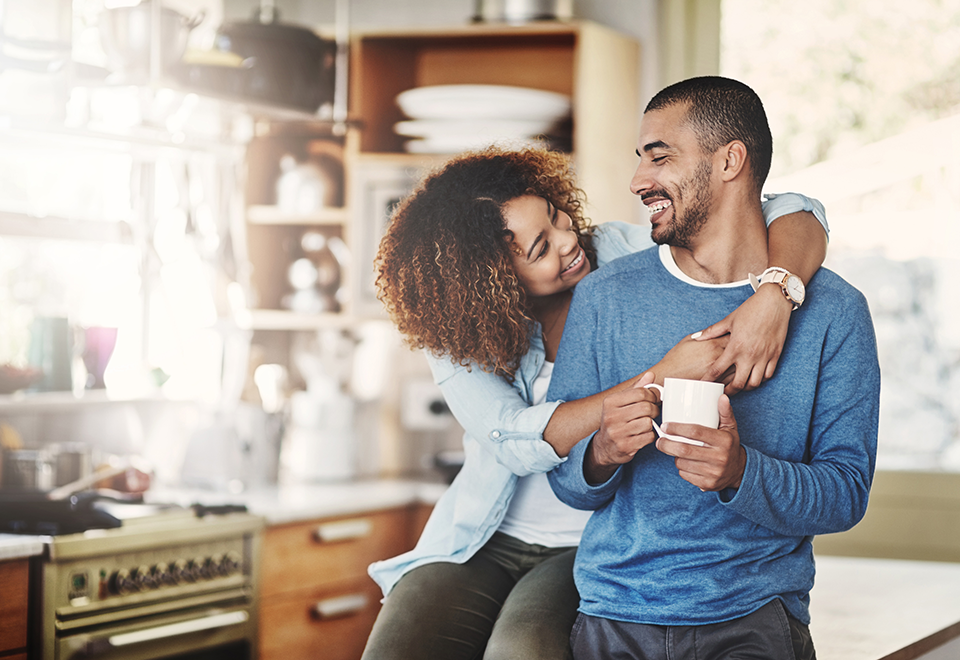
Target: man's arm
column 828, row 493
column 577, row 375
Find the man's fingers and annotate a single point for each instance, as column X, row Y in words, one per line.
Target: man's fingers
column 645, row 379
column 727, row 420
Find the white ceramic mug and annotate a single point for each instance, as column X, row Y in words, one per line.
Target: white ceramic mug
column 689, row 401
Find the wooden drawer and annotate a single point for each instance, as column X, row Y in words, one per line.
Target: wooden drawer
column 14, row 580
column 330, row 623
column 304, row 555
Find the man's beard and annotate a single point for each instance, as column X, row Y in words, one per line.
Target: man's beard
column 695, row 194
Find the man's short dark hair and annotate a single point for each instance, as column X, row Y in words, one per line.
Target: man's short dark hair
column 721, row 110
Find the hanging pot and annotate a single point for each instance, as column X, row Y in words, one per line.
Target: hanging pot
column 288, row 65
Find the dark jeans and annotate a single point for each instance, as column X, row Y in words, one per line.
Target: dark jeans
column 510, row 600
column 767, row 634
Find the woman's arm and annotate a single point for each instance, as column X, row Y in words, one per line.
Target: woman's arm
column 797, row 241
column 574, row 420
column 494, row 413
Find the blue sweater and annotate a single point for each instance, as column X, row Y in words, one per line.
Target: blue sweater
column 657, row 550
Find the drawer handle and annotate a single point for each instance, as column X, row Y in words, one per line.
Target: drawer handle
column 333, row 608
column 344, row 530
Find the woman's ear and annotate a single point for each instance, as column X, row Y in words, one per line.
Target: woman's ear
column 734, row 157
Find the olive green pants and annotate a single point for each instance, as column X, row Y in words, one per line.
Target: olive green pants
column 510, row 600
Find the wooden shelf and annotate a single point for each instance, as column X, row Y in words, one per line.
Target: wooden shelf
column 262, row 214
column 64, row 229
column 281, row 319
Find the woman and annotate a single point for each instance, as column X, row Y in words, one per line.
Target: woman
column 478, row 267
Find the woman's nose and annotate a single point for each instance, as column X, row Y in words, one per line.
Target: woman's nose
column 569, row 242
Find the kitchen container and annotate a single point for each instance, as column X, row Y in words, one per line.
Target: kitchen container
column 520, row 11
column 72, row 461
column 51, row 353
column 287, row 64
column 126, row 34
column 27, row 469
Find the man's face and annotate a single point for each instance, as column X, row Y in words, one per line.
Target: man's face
column 673, row 177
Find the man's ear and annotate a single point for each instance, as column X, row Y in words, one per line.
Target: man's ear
column 734, row 160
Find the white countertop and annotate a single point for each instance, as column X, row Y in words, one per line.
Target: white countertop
column 868, row 609
column 298, row 502
column 17, row 546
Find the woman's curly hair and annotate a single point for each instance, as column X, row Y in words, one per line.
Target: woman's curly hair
column 444, row 270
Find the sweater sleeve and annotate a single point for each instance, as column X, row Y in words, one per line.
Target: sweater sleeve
column 577, row 375
column 495, row 414
column 828, row 491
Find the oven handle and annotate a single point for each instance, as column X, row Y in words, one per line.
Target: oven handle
column 180, row 628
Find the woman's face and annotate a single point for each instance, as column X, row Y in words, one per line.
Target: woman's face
column 546, row 254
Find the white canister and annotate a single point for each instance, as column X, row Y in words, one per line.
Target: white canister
column 319, row 444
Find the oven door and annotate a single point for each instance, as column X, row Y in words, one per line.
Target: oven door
column 208, row 634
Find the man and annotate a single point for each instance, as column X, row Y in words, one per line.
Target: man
column 706, row 551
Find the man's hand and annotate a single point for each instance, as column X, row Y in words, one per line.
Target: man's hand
column 757, row 330
column 626, row 426
column 719, row 463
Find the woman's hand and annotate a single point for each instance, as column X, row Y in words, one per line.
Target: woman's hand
column 756, row 330
column 693, row 359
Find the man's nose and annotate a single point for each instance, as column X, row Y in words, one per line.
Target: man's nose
column 641, row 181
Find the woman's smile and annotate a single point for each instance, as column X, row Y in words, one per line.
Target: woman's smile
column 576, row 264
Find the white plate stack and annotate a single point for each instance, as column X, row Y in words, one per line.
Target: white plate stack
column 448, row 119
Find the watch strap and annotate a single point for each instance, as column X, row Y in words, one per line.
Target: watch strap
column 775, row 275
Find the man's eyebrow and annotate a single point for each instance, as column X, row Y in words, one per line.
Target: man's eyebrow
column 650, row 146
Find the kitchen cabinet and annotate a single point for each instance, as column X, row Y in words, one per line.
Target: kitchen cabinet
column 316, row 597
column 597, row 67
column 14, row 584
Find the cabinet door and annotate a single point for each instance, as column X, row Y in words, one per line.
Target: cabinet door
column 317, row 600
column 14, row 580
column 321, row 552
column 331, row 622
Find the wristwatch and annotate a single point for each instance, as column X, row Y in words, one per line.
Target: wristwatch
column 791, row 285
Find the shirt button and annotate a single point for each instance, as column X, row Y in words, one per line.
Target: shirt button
column 495, row 434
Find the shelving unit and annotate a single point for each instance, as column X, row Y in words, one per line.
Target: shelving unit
column 596, row 66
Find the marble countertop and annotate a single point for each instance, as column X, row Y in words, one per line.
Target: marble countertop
column 879, row 609
column 18, row 546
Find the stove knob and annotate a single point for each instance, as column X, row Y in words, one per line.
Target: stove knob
column 230, row 563
column 211, row 568
column 180, row 571
column 121, row 583
column 195, row 569
column 143, row 578
column 163, row 575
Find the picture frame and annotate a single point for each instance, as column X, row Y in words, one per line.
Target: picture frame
column 377, row 188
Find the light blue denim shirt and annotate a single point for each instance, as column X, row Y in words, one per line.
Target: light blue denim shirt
column 503, row 437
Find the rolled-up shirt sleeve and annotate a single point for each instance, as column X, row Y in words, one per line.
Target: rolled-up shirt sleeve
column 776, row 205
column 495, row 414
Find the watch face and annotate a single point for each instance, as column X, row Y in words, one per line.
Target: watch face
column 795, row 288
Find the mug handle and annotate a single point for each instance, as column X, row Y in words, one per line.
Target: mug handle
column 659, row 388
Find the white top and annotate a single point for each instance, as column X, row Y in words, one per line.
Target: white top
column 535, row 514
